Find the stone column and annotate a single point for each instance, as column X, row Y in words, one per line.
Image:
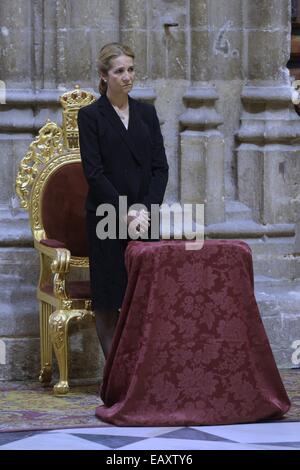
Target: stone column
column 82, row 29
column 46, row 48
column 18, row 264
column 202, row 154
column 269, row 135
column 158, row 31
column 134, row 19
column 16, row 47
column 201, row 143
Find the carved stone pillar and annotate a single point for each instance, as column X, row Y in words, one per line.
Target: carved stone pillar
column 46, row 47
column 134, row 18
column 82, row 29
column 16, row 58
column 133, row 32
column 269, row 135
column 158, row 32
column 202, row 154
column 201, row 143
column 268, row 154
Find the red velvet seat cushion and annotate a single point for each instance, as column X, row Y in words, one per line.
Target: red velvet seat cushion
column 53, row 243
column 75, row 289
column 63, row 212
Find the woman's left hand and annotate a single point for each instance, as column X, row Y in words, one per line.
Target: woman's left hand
column 139, row 223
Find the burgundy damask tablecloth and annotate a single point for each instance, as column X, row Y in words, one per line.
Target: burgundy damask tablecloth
column 190, row 347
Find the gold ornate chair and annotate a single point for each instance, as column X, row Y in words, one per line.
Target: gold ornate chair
column 51, row 186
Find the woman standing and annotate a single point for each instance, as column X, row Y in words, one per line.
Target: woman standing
column 123, row 154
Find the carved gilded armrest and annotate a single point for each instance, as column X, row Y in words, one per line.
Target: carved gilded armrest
column 60, row 266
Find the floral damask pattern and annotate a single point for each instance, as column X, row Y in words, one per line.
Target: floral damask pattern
column 190, row 347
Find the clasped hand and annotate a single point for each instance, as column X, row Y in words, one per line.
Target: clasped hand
column 138, row 222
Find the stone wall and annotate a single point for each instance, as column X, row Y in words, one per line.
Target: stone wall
column 215, row 70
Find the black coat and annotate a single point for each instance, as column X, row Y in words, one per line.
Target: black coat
column 118, row 161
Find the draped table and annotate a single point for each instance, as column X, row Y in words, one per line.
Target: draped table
column 190, row 347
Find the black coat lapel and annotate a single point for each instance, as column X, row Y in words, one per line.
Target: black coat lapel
column 134, row 124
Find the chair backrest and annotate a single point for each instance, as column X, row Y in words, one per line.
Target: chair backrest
column 50, row 182
column 62, row 207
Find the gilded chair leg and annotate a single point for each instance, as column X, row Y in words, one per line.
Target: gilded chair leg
column 58, row 324
column 58, row 328
column 45, row 344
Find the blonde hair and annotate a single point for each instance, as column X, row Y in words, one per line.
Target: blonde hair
column 107, row 53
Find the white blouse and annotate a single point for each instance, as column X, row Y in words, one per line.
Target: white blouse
column 124, row 118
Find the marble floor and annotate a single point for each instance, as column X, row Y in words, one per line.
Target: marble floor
column 260, row 436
